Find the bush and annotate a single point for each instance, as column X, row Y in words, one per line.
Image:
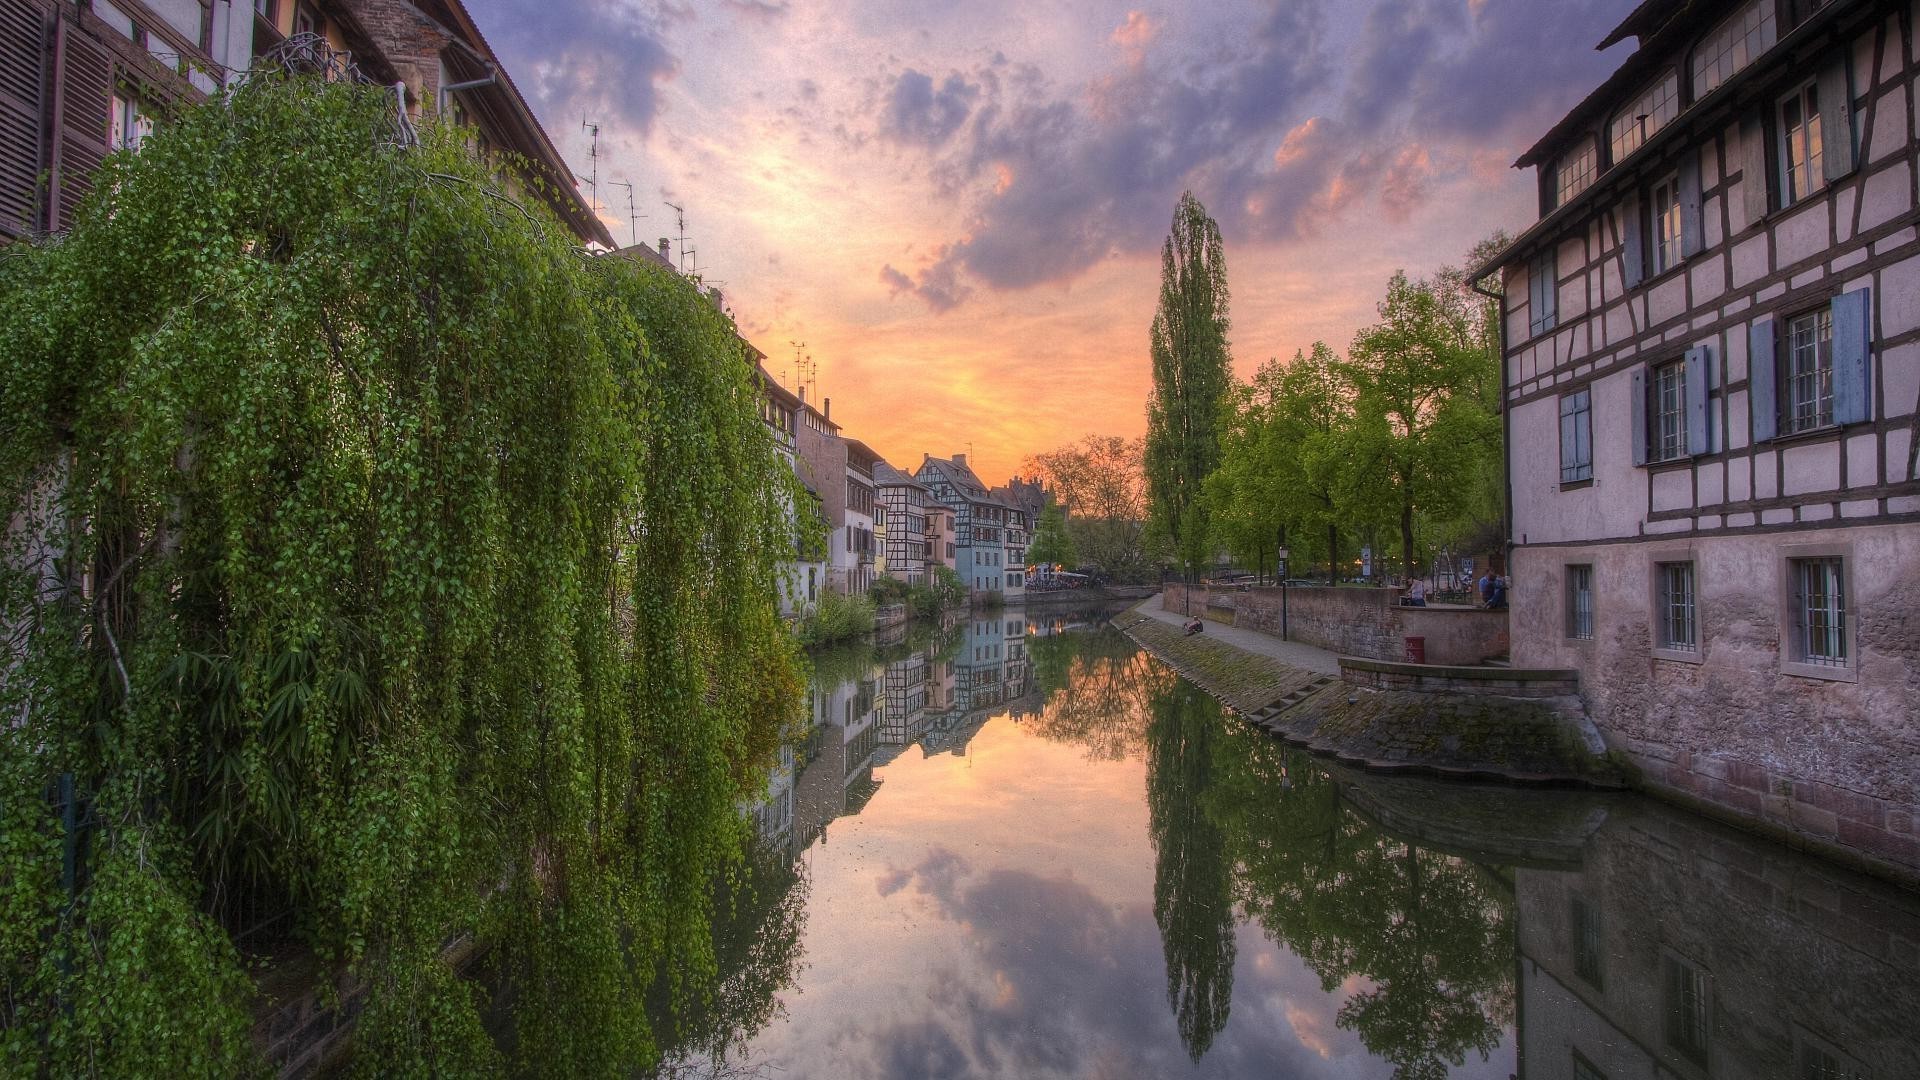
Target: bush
column 837, row 618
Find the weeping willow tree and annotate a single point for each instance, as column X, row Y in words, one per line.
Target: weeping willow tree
column 380, row 559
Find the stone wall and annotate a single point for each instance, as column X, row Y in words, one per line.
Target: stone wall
column 1441, row 679
column 1352, row 622
column 1733, row 728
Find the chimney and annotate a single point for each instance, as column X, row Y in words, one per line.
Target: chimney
column 713, row 294
column 827, row 409
column 803, row 393
column 666, row 249
column 960, row 460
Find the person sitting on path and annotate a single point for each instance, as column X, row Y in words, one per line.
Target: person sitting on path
column 1195, row 626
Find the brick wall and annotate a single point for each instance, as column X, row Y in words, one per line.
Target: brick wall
column 1353, row 622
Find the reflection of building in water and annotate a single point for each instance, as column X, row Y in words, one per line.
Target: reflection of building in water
column 989, row 671
column 903, row 706
column 773, row 817
column 837, row 777
column 1682, row 950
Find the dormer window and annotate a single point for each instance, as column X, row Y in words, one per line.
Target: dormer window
column 1574, row 172
column 1733, row 45
column 1654, row 109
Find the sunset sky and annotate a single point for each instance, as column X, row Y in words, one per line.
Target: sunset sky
column 959, row 207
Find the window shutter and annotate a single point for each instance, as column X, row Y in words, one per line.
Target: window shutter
column 85, row 74
column 1836, row 119
column 1637, row 405
column 1753, row 168
column 22, row 47
column 1569, row 440
column 1692, row 234
column 1762, row 378
column 1634, row 263
column 1697, row 412
column 1853, row 357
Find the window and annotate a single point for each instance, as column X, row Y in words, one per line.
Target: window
column 1687, row 1004
column 1820, row 612
column 130, row 126
column 1576, row 436
column 305, row 21
column 1543, row 292
column 1819, row 1062
column 1575, row 172
column 1586, row 944
column 1667, row 412
column 1651, row 111
column 1666, row 231
column 1801, row 169
column 1809, row 374
column 1580, row 602
column 1733, row 45
column 1675, row 611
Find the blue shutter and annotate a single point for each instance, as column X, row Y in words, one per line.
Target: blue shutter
column 1633, row 261
column 1754, row 166
column 1763, row 376
column 1692, row 233
column 1637, row 405
column 1698, row 379
column 1836, row 119
column 1569, row 442
column 1853, row 357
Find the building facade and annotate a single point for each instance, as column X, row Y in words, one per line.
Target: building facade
column 1711, row 365
column 941, row 542
column 980, row 524
column 903, row 501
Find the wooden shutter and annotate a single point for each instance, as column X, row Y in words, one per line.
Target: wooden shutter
column 1692, row 232
column 23, row 26
column 1763, row 376
column 83, row 99
column 1633, row 258
column 1569, row 439
column 1836, row 119
column 1853, row 357
column 1753, row 168
column 1699, row 378
column 1637, row 405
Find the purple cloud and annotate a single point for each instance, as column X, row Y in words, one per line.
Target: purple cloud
column 578, row 58
column 915, row 112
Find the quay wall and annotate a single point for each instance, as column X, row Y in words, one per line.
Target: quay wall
column 1368, row 623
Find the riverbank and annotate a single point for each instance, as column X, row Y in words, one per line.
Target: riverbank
column 1287, row 689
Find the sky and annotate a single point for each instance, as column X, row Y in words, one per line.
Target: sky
column 958, row 208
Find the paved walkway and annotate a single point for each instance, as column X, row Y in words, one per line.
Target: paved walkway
column 1291, row 653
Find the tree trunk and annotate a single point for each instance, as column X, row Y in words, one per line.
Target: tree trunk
column 1406, row 535
column 1333, row 554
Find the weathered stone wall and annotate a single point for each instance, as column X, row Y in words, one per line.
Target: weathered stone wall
column 1834, row 761
column 1353, row 622
column 1439, row 679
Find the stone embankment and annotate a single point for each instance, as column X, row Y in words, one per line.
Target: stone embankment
column 1455, row 730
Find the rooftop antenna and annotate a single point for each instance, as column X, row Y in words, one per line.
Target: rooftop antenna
column 679, row 223
column 633, row 215
column 593, row 155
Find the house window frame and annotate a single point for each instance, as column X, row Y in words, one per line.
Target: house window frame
column 1667, row 427
column 1575, row 170
column 1666, row 236
column 1754, row 28
column 1676, row 616
column 1793, row 381
column 1579, row 601
column 1682, row 1020
column 1794, row 657
column 1624, row 139
column 1812, row 138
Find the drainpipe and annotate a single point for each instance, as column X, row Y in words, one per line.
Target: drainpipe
column 1506, row 420
column 491, row 78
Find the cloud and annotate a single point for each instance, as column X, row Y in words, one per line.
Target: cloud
column 583, row 58
column 1135, row 34
column 764, row 10
column 915, row 112
column 939, row 283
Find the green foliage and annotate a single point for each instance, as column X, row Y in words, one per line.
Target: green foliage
column 1052, row 543
column 888, row 590
column 1192, row 371
column 941, row 593
column 836, row 617
column 383, row 559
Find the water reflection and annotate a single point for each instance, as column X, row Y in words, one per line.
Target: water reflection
column 1051, row 857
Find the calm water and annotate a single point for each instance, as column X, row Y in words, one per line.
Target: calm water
column 1018, row 850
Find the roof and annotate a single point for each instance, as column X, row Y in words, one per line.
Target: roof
column 1675, row 22
column 1643, row 21
column 772, row 388
column 887, row 476
column 961, row 476
column 861, row 452
column 565, row 191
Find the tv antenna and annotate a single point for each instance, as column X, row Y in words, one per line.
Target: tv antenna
column 633, row 215
column 680, row 224
column 593, row 156
column 806, row 369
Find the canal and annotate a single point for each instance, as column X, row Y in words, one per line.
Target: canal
column 1026, row 849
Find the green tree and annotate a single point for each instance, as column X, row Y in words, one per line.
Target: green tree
column 1052, row 543
column 1192, row 370
column 1423, row 427
column 384, row 561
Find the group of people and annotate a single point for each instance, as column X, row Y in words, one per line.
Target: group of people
column 1492, row 586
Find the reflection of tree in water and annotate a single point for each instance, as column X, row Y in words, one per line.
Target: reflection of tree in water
column 758, row 915
column 1192, row 881
column 1430, row 935
column 1098, row 686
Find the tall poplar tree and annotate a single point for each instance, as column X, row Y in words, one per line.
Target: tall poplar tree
column 1192, row 371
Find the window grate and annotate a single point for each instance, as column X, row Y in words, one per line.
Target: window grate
column 1580, row 602
column 1669, row 411
column 1820, row 603
column 1678, row 626
column 1810, row 371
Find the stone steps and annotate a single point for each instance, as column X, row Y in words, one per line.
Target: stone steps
column 1295, row 697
